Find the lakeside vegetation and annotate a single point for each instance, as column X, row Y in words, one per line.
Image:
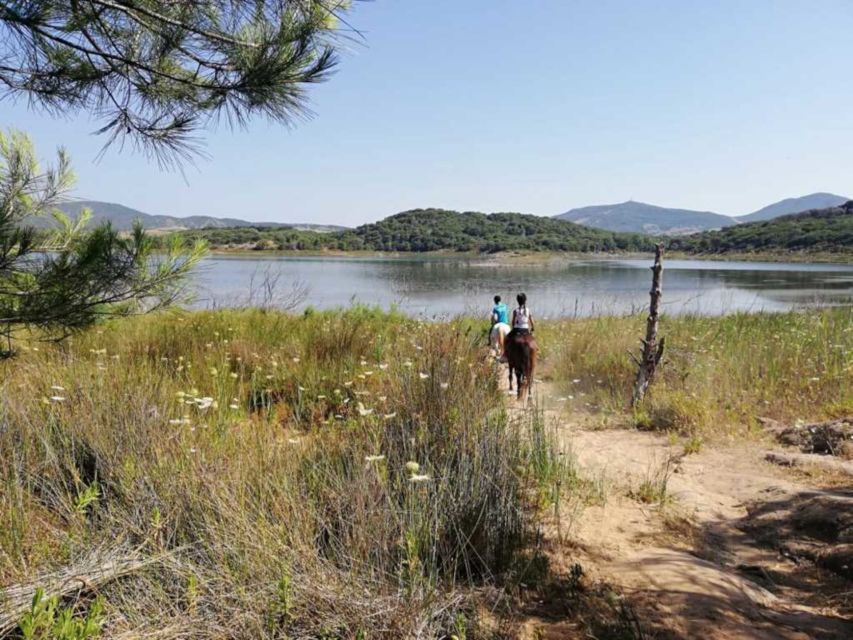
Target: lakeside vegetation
column 346, row 474
column 824, row 233
column 719, row 375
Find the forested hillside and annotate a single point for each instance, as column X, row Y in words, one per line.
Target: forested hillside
column 422, row 230
column 816, row 231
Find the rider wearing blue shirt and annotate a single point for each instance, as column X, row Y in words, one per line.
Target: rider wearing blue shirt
column 500, row 313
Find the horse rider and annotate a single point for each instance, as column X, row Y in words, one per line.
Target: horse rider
column 522, row 319
column 499, row 327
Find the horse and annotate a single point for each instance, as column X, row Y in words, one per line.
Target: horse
column 497, row 338
column 521, row 351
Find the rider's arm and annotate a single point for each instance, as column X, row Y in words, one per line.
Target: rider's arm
column 530, row 320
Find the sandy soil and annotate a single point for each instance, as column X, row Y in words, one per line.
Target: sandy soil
column 695, row 543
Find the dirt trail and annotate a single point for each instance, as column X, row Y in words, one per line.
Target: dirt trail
column 676, row 535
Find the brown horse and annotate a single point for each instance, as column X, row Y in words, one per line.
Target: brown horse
column 521, row 350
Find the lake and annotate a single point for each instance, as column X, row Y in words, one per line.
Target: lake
column 439, row 287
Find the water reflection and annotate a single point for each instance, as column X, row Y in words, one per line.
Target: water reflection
column 440, row 287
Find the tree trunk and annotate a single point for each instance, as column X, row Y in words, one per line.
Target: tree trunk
column 652, row 349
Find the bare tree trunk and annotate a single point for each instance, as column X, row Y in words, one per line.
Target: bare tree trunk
column 652, row 349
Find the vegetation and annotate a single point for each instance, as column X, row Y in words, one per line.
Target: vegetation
column 719, row 374
column 333, row 475
column 341, row 474
column 818, row 231
column 437, row 230
column 86, row 275
column 826, row 231
column 156, row 70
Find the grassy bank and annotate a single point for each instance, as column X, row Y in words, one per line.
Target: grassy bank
column 334, row 475
column 348, row 474
column 719, row 373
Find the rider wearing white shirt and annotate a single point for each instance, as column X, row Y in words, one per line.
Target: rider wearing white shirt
column 522, row 319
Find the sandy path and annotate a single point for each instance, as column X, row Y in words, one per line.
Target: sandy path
column 687, row 565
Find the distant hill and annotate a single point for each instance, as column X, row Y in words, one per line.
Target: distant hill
column 640, row 217
column 122, row 218
column 828, row 230
column 441, row 229
column 422, row 230
column 794, row 205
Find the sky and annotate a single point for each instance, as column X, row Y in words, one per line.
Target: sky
column 537, row 106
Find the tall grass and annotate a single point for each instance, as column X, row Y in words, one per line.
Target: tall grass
column 719, row 373
column 337, row 474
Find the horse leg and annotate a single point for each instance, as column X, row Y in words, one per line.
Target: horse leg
column 509, row 368
column 528, row 373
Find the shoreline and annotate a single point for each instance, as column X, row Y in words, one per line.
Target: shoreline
column 536, row 257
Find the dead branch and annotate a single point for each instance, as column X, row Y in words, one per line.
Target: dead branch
column 652, row 349
column 809, row 460
column 98, row 569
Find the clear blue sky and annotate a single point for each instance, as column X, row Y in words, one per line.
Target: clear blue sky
column 534, row 106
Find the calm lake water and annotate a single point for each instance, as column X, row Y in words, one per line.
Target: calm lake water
column 442, row 287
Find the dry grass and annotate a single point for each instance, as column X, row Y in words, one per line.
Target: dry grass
column 334, row 475
column 719, row 373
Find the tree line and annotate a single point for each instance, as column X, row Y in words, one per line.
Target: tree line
column 422, row 230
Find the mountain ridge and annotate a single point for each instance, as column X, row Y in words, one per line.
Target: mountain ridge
column 641, row 217
column 625, row 217
column 122, row 218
